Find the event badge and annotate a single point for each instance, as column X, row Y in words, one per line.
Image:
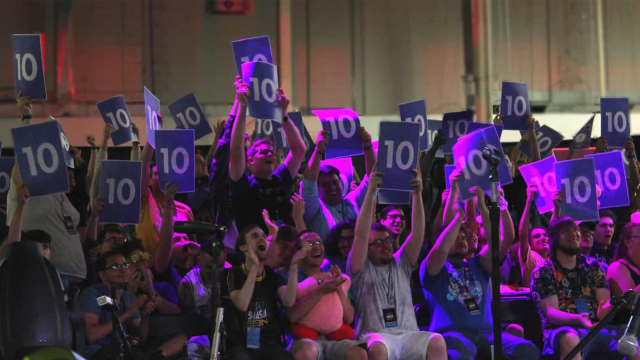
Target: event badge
column 472, row 306
column 581, row 306
column 68, row 223
column 253, row 337
column 390, row 317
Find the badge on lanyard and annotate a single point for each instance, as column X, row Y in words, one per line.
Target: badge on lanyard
column 472, row 306
column 253, row 337
column 390, row 317
column 581, row 306
column 68, row 223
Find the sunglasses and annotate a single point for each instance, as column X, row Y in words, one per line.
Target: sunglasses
column 381, row 242
column 396, row 217
column 119, row 266
column 265, row 152
column 144, row 257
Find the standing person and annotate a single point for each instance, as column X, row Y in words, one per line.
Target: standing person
column 460, row 289
column 267, row 187
column 572, row 294
column 381, row 286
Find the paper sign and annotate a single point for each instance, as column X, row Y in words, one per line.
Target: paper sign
column 345, row 167
column 448, row 170
column 577, row 179
column 582, row 139
column 454, row 126
column 547, row 140
column 28, row 67
column 6, row 166
column 120, row 191
column 253, row 49
column 542, row 175
column 614, row 121
column 296, row 117
column 473, row 126
column 40, row 158
column 562, row 154
column 187, row 113
column 514, row 106
column 175, row 156
column 432, row 129
column 114, row 112
column 262, row 79
column 343, row 126
column 393, row 197
column 68, row 158
column 610, row 175
column 416, row 111
column 398, row 149
column 151, row 111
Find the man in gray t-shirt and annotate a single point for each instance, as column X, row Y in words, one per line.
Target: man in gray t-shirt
column 380, row 284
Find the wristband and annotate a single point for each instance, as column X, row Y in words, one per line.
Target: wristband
column 285, row 119
column 26, row 117
column 368, row 147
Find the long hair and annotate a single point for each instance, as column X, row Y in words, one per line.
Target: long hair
column 333, row 237
column 625, row 234
column 555, row 228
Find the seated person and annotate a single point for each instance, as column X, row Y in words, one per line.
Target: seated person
column 394, row 219
column 339, row 242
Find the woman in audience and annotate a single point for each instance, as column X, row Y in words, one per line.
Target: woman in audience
column 624, row 272
column 339, row 241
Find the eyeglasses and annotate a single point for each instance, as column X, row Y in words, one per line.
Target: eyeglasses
column 311, row 244
column 396, row 217
column 586, row 232
column 144, row 257
column 381, row 242
column 265, row 152
column 114, row 240
column 119, row 266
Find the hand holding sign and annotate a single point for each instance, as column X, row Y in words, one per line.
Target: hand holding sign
column 454, row 126
column 252, row 49
column 611, row 178
column 416, row 111
column 264, row 98
column 29, row 69
column 614, row 121
column 187, row 113
column 175, row 155
column 398, row 153
column 6, row 166
column 152, row 113
column 115, row 113
column 514, row 106
column 342, row 126
column 120, row 191
column 541, row 174
column 296, row 117
column 547, row 139
column 577, row 180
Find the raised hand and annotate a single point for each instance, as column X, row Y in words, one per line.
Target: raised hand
column 455, row 176
column 298, row 206
column 532, row 193
column 416, row 182
column 135, row 130
column 497, row 120
column 284, row 101
column 301, row 254
column 321, row 140
column 219, row 127
column 271, row 226
column 24, row 104
column 23, row 193
column 242, row 92
column 91, row 140
column 170, row 191
column 364, row 137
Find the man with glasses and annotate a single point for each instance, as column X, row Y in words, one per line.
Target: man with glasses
column 267, row 187
column 393, row 218
column 381, row 283
column 586, row 236
column 324, row 203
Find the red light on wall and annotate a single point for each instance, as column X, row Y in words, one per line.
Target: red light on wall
column 237, row 7
column 42, row 48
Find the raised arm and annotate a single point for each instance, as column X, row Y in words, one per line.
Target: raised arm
column 288, row 293
column 294, row 139
column 533, row 139
column 413, row 244
column 24, row 105
column 369, row 154
column 165, row 246
column 218, row 129
column 102, row 155
column 241, row 298
column 135, row 144
column 525, row 225
column 437, row 257
column 92, row 224
column 634, row 178
column 313, row 167
column 237, row 157
column 485, row 253
column 358, row 253
column 147, row 155
column 297, row 203
column 557, row 197
column 449, row 209
column 15, row 227
column 93, row 159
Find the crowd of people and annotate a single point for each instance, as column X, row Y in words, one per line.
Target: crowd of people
column 307, row 272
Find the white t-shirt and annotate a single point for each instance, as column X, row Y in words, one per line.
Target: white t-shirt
column 47, row 213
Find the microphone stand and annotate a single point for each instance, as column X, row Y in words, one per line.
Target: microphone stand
column 117, row 327
column 494, row 217
column 618, row 303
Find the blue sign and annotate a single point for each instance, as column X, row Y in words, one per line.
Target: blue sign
column 416, row 111
column 115, row 113
column 343, row 126
column 393, row 197
column 542, row 175
column 577, row 179
column 40, row 158
column 626, row 163
column 514, row 106
column 432, row 129
column 448, row 170
column 398, row 149
column 187, row 113
column 253, row 49
column 120, row 191
column 175, row 157
column 267, row 129
column 467, row 155
column 454, row 126
column 582, row 139
column 547, row 140
column 262, row 79
column 473, row 126
column 6, row 166
column 28, row 67
column 610, row 175
column 151, row 112
column 614, row 121
column 296, row 117
column 68, row 158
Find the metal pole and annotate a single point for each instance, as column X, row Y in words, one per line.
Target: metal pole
column 601, row 61
column 494, row 217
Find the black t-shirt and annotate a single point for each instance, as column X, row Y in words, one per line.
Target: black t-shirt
column 169, row 276
column 262, row 312
column 251, row 196
column 516, row 193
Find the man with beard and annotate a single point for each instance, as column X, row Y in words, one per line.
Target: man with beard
column 603, row 250
column 325, row 301
column 393, row 218
column 460, row 288
column 531, row 238
column 572, row 295
column 381, row 283
column 250, row 294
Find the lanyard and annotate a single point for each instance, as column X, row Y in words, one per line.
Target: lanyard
column 389, row 289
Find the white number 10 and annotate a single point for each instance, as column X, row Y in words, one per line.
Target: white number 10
column 519, row 108
column 119, row 191
column 401, row 165
column 174, row 162
column 22, row 67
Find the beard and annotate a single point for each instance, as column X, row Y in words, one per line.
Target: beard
column 569, row 251
column 386, row 260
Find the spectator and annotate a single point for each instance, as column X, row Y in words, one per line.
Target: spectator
column 393, row 218
column 586, row 236
column 251, row 292
column 572, row 294
column 624, row 273
column 185, row 256
column 460, row 289
column 339, row 242
column 381, row 286
column 603, row 250
column 199, row 200
column 42, row 238
column 268, row 187
column 322, row 190
column 111, row 237
column 531, row 238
